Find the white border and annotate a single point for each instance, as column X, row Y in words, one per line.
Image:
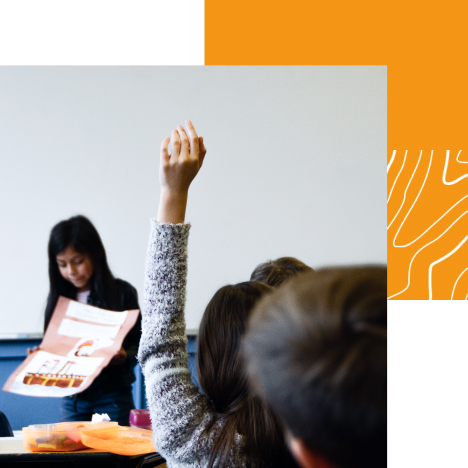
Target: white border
column 428, row 383
column 102, row 32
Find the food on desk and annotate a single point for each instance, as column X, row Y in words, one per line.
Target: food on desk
column 52, row 443
column 106, row 436
column 120, row 440
column 61, row 437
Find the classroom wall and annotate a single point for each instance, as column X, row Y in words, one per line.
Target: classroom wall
column 295, row 166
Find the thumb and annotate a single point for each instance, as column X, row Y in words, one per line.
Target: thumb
column 202, row 150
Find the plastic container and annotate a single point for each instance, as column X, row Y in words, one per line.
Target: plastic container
column 120, row 440
column 60, row 437
column 140, row 418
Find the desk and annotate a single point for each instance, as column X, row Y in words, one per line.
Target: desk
column 14, row 455
column 22, row 410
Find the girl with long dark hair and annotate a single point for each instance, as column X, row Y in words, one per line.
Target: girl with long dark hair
column 225, row 425
column 78, row 270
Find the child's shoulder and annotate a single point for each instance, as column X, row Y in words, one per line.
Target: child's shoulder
column 127, row 293
column 124, row 285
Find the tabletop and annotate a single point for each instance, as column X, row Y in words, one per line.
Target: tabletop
column 12, row 453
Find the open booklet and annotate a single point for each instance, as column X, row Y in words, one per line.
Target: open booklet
column 79, row 342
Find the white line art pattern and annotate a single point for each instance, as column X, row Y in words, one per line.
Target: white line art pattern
column 412, row 202
column 455, row 285
column 445, row 169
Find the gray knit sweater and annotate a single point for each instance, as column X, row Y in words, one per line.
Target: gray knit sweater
column 179, row 412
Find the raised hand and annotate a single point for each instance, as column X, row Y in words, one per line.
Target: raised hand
column 177, row 170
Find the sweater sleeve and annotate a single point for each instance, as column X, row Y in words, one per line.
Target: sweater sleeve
column 179, row 412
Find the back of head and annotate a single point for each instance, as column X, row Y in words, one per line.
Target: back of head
column 275, row 272
column 224, row 322
column 317, row 352
column 222, row 377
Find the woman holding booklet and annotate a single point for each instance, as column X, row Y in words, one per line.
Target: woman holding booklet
column 78, row 270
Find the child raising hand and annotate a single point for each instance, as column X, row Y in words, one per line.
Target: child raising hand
column 225, row 425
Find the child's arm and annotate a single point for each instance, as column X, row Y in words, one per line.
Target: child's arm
column 179, row 413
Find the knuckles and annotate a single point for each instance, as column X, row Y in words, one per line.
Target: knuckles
column 180, row 163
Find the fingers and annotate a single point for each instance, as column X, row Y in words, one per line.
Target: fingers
column 175, row 143
column 184, row 144
column 185, row 149
column 194, row 140
column 164, row 151
column 201, row 156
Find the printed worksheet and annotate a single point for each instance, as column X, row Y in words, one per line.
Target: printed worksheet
column 79, row 342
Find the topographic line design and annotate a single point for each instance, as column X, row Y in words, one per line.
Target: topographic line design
column 444, row 180
column 398, row 175
column 455, row 285
column 441, row 260
column 429, row 228
column 458, row 160
column 406, row 190
column 389, row 165
column 431, row 197
column 412, row 206
column 422, row 248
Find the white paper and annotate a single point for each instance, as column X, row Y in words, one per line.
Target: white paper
column 93, row 314
column 85, row 330
column 58, row 375
column 97, row 418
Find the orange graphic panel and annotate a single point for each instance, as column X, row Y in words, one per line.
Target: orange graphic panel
column 427, row 224
column 424, row 48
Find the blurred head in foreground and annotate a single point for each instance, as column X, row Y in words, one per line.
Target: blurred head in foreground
column 316, row 350
column 275, row 272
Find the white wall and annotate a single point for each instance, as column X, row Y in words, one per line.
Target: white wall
column 295, row 166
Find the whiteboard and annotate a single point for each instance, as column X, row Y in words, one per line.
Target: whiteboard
column 295, row 167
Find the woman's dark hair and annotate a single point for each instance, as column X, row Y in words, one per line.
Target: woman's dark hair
column 317, row 352
column 275, row 272
column 223, row 379
column 78, row 232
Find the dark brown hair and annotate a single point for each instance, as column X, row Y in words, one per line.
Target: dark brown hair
column 275, row 272
column 317, row 351
column 222, row 377
column 78, row 232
